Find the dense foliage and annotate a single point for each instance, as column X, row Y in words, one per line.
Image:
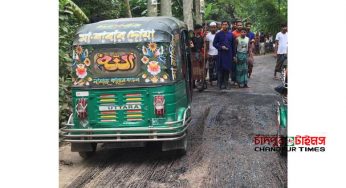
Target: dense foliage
column 70, row 18
column 266, row 15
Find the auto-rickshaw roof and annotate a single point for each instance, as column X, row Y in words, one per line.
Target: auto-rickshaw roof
column 129, row 30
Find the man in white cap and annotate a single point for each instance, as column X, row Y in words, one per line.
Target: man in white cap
column 212, row 52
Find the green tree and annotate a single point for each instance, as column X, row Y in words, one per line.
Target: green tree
column 166, row 8
column 70, row 18
column 187, row 11
column 128, row 8
column 98, row 10
column 152, row 8
column 265, row 15
column 138, row 8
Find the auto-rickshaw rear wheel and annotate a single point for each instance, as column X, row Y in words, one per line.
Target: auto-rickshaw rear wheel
column 88, row 154
column 182, row 151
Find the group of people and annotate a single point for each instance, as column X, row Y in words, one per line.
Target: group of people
column 230, row 51
column 263, row 43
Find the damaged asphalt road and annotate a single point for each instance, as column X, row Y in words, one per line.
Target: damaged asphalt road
column 220, row 146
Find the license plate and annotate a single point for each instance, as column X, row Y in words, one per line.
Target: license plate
column 120, row 107
column 82, row 93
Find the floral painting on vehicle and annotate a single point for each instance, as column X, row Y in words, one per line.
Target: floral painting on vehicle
column 80, row 67
column 145, row 63
column 154, row 68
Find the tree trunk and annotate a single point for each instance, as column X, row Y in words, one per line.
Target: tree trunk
column 152, row 9
column 198, row 13
column 166, row 8
column 128, row 9
column 187, row 12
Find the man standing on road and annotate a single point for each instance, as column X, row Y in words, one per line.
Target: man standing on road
column 233, row 26
column 262, row 44
column 270, row 37
column 281, row 48
column 251, row 37
column 257, row 43
column 236, row 33
column 218, row 27
column 249, row 34
column 223, row 42
column 197, row 52
column 211, row 52
column 243, row 49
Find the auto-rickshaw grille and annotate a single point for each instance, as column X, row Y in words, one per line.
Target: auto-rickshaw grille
column 132, row 115
column 107, row 116
column 133, row 99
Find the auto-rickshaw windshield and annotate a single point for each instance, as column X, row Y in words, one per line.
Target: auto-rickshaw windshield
column 122, row 64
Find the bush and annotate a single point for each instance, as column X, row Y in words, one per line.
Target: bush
column 68, row 24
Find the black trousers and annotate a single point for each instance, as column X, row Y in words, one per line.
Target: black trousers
column 212, row 64
column 280, row 63
column 222, row 80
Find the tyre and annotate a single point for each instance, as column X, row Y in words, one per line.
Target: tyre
column 181, row 152
column 88, row 154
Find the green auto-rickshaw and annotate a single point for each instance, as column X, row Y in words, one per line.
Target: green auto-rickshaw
column 131, row 84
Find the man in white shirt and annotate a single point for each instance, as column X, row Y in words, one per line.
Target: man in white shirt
column 212, row 52
column 281, row 48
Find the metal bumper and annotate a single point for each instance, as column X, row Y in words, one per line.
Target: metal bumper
column 125, row 135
